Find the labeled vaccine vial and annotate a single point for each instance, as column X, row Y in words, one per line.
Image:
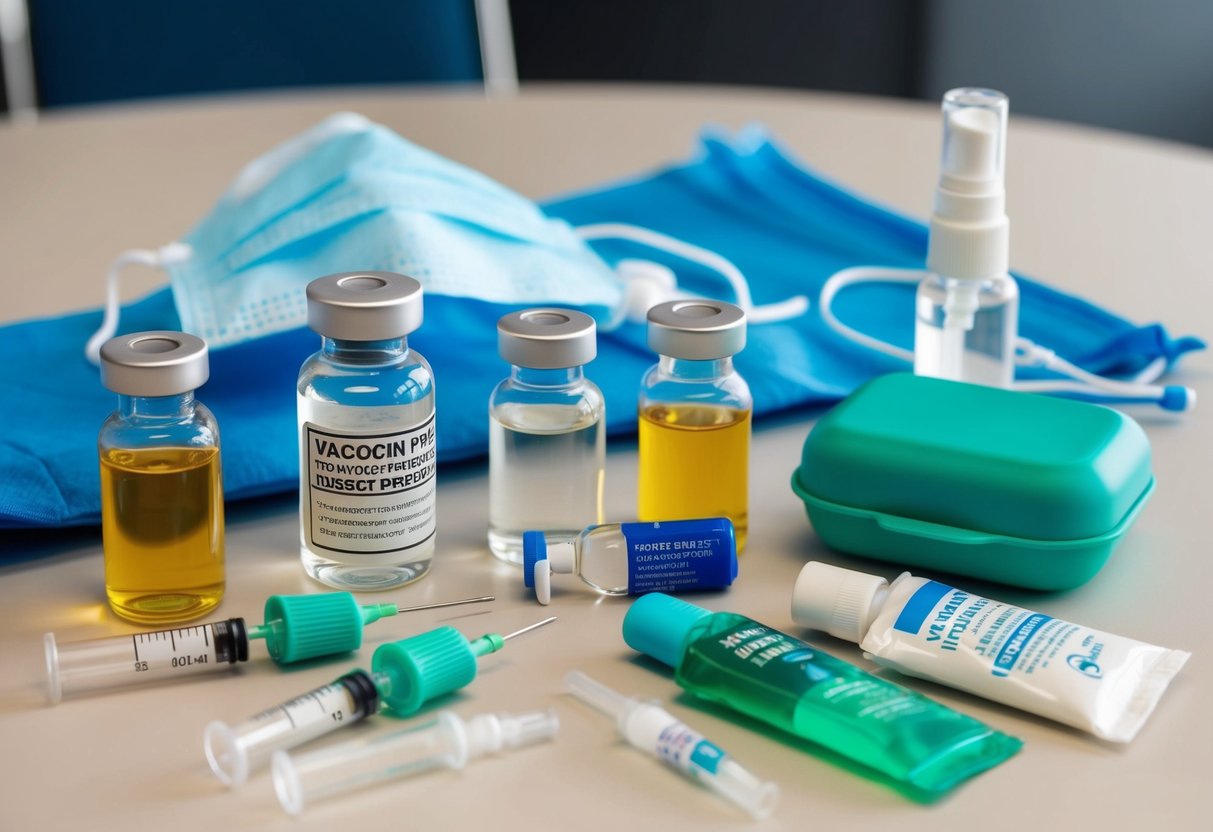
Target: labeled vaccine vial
column 547, row 438
column 695, row 416
column 635, row 558
column 367, row 453
column 161, row 488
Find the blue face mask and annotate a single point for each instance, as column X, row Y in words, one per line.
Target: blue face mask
column 739, row 207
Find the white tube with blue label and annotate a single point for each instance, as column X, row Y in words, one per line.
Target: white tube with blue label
column 1099, row 682
column 654, row 730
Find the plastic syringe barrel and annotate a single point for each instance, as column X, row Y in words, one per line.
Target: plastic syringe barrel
column 443, row 742
column 118, row 661
column 233, row 752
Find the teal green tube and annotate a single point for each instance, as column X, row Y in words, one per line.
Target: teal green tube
column 747, row 666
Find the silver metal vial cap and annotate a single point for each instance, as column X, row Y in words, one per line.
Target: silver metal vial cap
column 157, row 363
column 547, row 338
column 364, row 306
column 696, row 330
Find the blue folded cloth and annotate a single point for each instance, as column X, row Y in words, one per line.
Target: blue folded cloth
column 787, row 229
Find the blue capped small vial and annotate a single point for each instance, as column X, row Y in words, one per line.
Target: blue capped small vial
column 636, row 558
column 367, row 452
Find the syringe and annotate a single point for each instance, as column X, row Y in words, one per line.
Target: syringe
column 654, row 730
column 445, row 741
column 296, row 627
column 404, row 675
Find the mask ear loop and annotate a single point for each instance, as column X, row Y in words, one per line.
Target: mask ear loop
column 792, row 307
column 864, row 274
column 156, row 258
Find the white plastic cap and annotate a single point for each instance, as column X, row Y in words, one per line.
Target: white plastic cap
column 841, row 602
column 561, row 559
column 970, row 233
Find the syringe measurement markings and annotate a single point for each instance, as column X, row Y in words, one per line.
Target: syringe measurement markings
column 135, row 641
column 206, row 639
column 172, row 639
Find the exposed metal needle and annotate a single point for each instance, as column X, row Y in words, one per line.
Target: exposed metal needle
column 447, row 604
column 528, row 629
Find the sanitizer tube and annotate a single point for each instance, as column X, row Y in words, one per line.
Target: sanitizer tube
column 1105, row 684
column 745, row 665
column 655, row 731
column 444, row 742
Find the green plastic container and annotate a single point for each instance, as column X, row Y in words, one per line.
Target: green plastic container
column 1022, row 489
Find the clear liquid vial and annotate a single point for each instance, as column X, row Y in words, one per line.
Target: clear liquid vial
column 695, row 417
column 547, row 438
column 161, row 487
column 368, row 486
column 966, row 330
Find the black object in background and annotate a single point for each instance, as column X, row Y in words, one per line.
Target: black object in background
column 866, row 46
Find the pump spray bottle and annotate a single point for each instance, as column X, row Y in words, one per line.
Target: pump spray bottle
column 968, row 307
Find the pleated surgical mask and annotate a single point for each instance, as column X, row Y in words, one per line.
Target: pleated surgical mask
column 349, row 194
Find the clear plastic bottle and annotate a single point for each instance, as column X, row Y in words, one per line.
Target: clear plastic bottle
column 635, row 558
column 367, row 488
column 968, row 307
column 547, row 443
column 161, row 487
column 695, row 416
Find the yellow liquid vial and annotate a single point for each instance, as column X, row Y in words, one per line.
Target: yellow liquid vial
column 695, row 463
column 162, row 525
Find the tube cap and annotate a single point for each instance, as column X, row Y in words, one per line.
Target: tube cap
column 307, row 626
column 696, row 330
column 658, row 624
column 364, row 306
column 841, row 602
column 424, row 667
column 547, row 338
column 155, row 363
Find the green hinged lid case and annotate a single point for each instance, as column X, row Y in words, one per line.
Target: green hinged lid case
column 1023, row 489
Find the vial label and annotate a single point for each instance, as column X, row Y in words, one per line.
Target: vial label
column 370, row 493
column 688, row 751
column 679, row 555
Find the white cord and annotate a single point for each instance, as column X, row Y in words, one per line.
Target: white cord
column 156, row 258
column 792, row 307
column 1027, row 353
column 863, row 274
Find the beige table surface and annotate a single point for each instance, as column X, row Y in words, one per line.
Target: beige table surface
column 1123, row 220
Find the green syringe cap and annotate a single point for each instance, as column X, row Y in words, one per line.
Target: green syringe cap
column 424, row 667
column 308, row 626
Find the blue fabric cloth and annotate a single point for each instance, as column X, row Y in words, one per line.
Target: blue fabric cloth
column 786, row 228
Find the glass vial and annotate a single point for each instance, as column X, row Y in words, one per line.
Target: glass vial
column 161, row 488
column 967, row 309
column 547, row 438
column 367, row 486
column 636, row 558
column 695, row 417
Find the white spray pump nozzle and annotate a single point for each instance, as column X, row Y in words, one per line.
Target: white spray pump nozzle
column 969, row 227
column 974, row 141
